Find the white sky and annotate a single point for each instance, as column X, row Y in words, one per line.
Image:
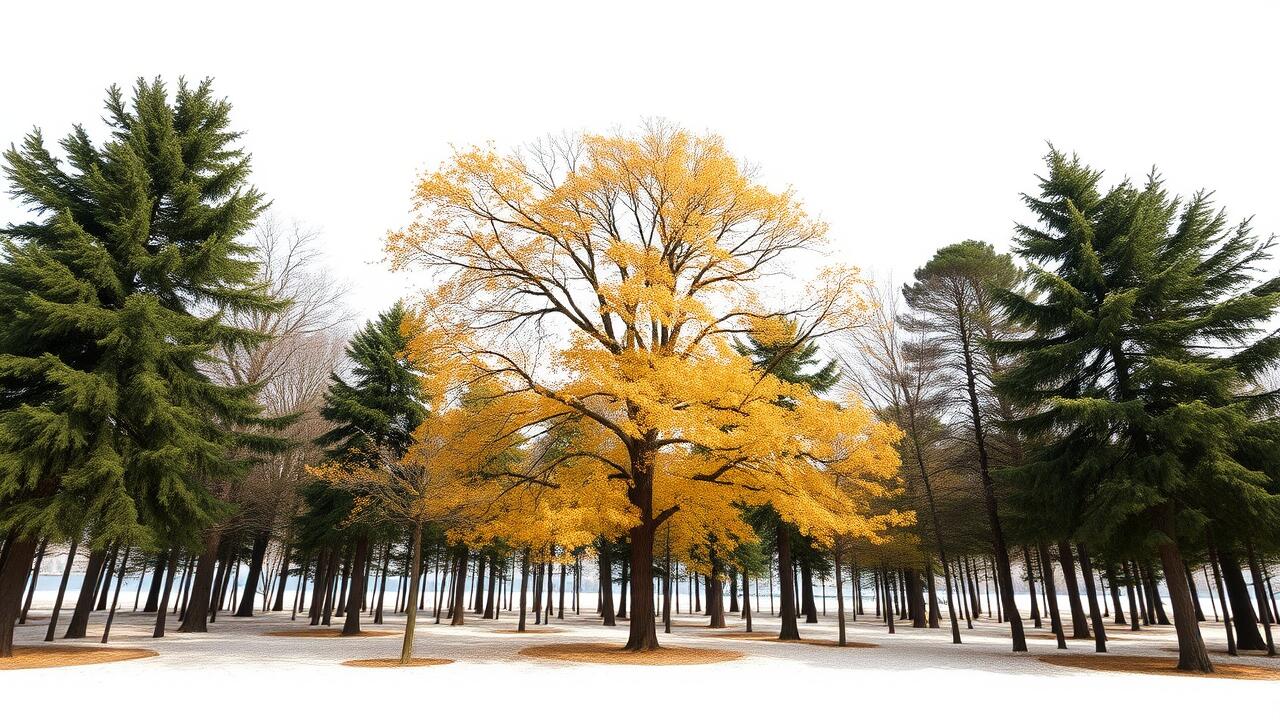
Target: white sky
column 905, row 125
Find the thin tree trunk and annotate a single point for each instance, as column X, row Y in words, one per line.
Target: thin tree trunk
column 35, row 578
column 1086, row 569
column 524, row 588
column 1051, row 592
column 162, row 607
column 790, row 630
column 1222, row 597
column 411, row 621
column 256, row 557
column 79, row 624
column 115, row 598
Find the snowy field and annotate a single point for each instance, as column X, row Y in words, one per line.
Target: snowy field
column 236, row 670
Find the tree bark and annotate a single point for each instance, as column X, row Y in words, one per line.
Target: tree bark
column 460, row 588
column 18, row 552
column 606, row 585
column 715, row 598
column 256, row 558
column 287, row 556
column 411, row 622
column 790, row 630
column 162, row 606
column 1260, row 590
column 1095, row 614
column 1051, row 595
column 196, row 614
column 115, row 598
column 1192, row 655
column 1222, row 598
column 1079, row 624
column 1242, row 616
column 157, row 583
column 524, row 588
column 35, row 578
column 355, row 593
column 79, row 625
column 915, row 598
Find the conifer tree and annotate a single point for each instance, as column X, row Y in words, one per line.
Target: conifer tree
column 1146, row 327
column 793, row 361
column 382, row 407
column 376, row 413
column 111, row 305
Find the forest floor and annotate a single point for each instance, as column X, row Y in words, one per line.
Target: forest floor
column 240, row 668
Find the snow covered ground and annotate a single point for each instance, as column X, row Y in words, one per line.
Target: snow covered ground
column 235, row 669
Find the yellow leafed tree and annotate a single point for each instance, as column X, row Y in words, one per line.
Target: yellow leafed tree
column 593, row 284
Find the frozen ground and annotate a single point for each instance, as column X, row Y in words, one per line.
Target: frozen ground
column 236, row 670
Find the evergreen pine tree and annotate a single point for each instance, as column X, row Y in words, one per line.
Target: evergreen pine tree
column 111, row 302
column 376, row 413
column 1146, row 327
column 793, row 361
column 382, row 407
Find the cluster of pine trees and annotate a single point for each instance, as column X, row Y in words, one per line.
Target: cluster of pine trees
column 1098, row 408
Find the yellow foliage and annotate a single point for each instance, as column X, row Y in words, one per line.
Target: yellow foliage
column 585, row 293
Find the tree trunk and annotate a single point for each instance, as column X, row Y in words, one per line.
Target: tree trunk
column 1260, row 591
column 915, row 598
column 560, row 608
column 157, row 583
column 115, row 598
column 62, row 590
column 1095, row 614
column 477, row 599
column 494, row 586
column 622, row 589
column 287, row 557
column 1115, row 594
column 35, row 578
column 807, row 606
column 104, row 580
column 843, row 639
column 18, row 552
column 411, row 622
column 162, row 606
column 642, row 635
column 355, row 593
column 888, row 599
column 460, row 588
column 1242, row 616
column 344, row 578
column 256, row 558
column 196, row 613
column 1079, row 624
column 1222, row 597
column 1195, row 594
column 79, row 625
column 733, row 590
column 606, row 585
column 524, row 587
column 666, row 587
column 931, row 586
column 1051, row 594
column 790, row 630
column 1192, row 655
column 715, row 598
